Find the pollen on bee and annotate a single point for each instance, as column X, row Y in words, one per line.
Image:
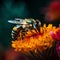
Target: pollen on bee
column 15, row 29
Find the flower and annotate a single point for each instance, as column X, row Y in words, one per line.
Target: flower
column 52, row 12
column 55, row 35
column 35, row 41
column 58, row 48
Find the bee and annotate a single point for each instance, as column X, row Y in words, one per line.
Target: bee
column 23, row 25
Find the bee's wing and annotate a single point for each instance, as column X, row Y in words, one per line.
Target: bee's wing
column 18, row 19
column 13, row 22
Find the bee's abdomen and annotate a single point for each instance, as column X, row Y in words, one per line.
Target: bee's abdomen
column 15, row 32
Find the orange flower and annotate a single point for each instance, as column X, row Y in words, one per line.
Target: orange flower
column 34, row 41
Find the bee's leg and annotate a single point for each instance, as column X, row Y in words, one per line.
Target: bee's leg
column 34, row 27
column 31, row 28
column 14, row 34
column 23, row 33
column 38, row 28
column 38, row 24
column 26, row 29
column 22, row 36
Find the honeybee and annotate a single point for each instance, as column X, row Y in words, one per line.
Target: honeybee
column 23, row 25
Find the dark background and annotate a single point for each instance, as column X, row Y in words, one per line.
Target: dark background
column 10, row 9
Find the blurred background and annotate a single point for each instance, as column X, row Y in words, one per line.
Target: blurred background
column 10, row 9
column 47, row 11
